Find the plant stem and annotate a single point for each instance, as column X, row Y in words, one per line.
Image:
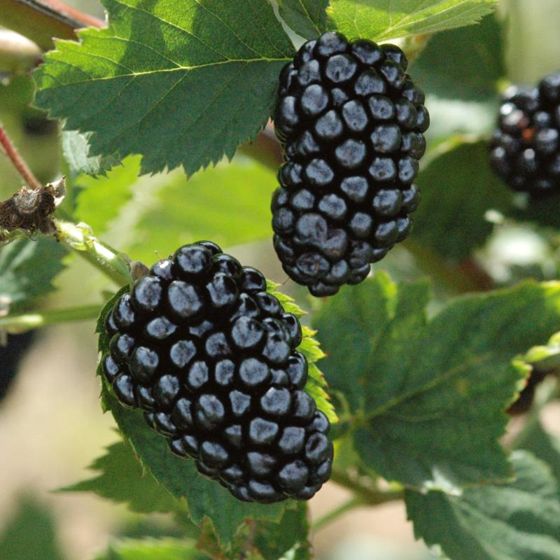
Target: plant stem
column 112, row 263
column 335, row 513
column 41, row 21
column 17, row 161
column 28, row 321
column 366, row 494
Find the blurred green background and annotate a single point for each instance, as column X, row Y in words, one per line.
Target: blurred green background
column 51, row 424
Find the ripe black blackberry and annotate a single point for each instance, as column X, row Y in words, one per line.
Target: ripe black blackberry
column 525, row 149
column 210, row 356
column 351, row 122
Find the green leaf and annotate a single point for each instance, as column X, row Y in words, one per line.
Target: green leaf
column 414, row 387
column 152, row 549
column 307, row 18
column 179, row 85
column 286, row 540
column 546, row 357
column 316, row 385
column 206, row 499
column 518, row 521
column 100, row 199
column 544, row 446
column 121, row 479
column 463, row 64
column 458, row 188
column 391, row 19
column 30, row 533
column 27, row 270
column 75, row 148
column 229, row 204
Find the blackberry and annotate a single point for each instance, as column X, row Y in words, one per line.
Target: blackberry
column 351, row 123
column 211, row 357
column 525, row 148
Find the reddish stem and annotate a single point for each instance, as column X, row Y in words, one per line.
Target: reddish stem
column 78, row 17
column 17, row 161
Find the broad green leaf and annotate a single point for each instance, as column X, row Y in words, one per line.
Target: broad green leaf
column 307, row 18
column 458, row 188
column 462, row 64
column 286, row 540
column 27, row 270
column 391, row 19
column 30, row 533
column 229, row 204
column 206, row 499
column 545, row 357
column 414, row 387
column 517, row 521
column 120, row 478
column 75, row 148
column 180, row 85
column 152, row 549
column 100, row 199
column 544, row 446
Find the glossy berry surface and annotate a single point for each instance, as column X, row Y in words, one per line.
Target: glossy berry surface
column 351, row 123
column 211, row 357
column 525, row 148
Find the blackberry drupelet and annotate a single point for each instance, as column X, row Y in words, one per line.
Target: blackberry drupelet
column 351, row 123
column 525, row 149
column 211, row 357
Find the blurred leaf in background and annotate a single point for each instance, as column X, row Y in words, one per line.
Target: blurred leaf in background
column 30, row 534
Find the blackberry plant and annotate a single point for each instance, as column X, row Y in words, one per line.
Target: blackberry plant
column 351, row 123
column 240, row 403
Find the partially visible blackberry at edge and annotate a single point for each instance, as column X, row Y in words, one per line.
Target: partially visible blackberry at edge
column 351, row 123
column 525, row 149
column 210, row 356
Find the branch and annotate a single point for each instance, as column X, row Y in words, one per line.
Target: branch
column 20, row 323
column 79, row 238
column 17, row 161
column 41, row 21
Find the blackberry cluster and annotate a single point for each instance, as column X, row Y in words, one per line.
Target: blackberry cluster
column 210, row 356
column 525, row 149
column 350, row 121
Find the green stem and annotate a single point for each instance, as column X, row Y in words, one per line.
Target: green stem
column 335, row 513
column 28, row 321
column 113, row 264
column 366, row 494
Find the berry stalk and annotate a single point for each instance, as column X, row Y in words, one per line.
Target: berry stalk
column 17, row 161
column 27, row 321
column 80, row 238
